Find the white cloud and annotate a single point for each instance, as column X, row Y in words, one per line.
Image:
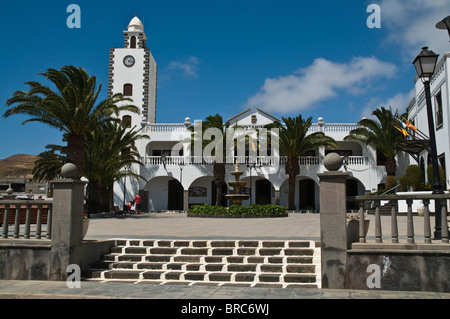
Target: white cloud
column 186, row 68
column 411, row 24
column 399, row 102
column 320, row 81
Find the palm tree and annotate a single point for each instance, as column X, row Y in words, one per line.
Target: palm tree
column 215, row 121
column 381, row 135
column 71, row 107
column 111, row 150
column 294, row 141
column 48, row 167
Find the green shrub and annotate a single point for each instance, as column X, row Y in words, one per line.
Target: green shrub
column 413, row 177
column 390, row 183
column 253, row 209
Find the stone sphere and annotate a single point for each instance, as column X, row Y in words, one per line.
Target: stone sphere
column 332, row 162
column 69, row 170
column 9, row 191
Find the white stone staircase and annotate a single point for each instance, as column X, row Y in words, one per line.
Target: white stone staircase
column 219, row 262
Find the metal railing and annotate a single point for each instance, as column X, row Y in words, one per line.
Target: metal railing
column 426, row 198
column 26, row 218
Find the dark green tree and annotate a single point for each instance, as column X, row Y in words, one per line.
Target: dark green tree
column 70, row 106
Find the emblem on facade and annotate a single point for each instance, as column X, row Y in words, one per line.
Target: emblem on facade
column 254, row 119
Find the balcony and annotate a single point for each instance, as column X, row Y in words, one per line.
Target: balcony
column 231, row 160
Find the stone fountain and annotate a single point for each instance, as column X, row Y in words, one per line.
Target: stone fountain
column 237, row 197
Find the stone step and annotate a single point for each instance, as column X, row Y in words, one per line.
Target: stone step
column 290, row 268
column 221, row 262
column 238, row 277
column 143, row 251
column 215, row 243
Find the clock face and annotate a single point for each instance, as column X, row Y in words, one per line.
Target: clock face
column 128, row 61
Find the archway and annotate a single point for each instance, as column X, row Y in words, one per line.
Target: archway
column 263, row 192
column 175, row 195
column 164, row 193
column 307, row 194
column 201, row 191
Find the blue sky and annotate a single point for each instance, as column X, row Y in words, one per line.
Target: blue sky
column 287, row 57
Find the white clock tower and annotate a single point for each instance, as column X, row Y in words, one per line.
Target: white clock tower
column 133, row 72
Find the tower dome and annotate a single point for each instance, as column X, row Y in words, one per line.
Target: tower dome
column 136, row 25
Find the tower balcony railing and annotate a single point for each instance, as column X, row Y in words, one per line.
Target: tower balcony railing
column 231, row 160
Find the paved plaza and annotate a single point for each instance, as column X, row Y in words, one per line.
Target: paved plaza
column 173, row 225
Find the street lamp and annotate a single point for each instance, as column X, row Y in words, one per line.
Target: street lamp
column 444, row 24
column 181, row 164
column 425, row 64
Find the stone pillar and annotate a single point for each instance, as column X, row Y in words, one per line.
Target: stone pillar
column 186, row 200
column 333, row 225
column 67, row 222
column 277, row 196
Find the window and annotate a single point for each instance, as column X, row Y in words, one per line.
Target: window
column 126, row 121
column 438, row 107
column 133, row 42
column 128, row 90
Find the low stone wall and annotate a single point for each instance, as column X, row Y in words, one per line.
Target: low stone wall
column 346, row 264
column 25, row 260
column 419, row 269
column 31, row 260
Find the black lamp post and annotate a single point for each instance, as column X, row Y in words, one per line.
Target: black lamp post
column 425, row 64
column 181, row 164
column 444, row 24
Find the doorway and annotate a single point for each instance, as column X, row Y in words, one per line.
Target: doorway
column 175, row 196
column 307, row 194
column 263, row 192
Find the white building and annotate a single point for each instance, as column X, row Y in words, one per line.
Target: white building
column 417, row 113
column 177, row 181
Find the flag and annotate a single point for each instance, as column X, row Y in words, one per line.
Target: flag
column 409, row 124
column 402, row 130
